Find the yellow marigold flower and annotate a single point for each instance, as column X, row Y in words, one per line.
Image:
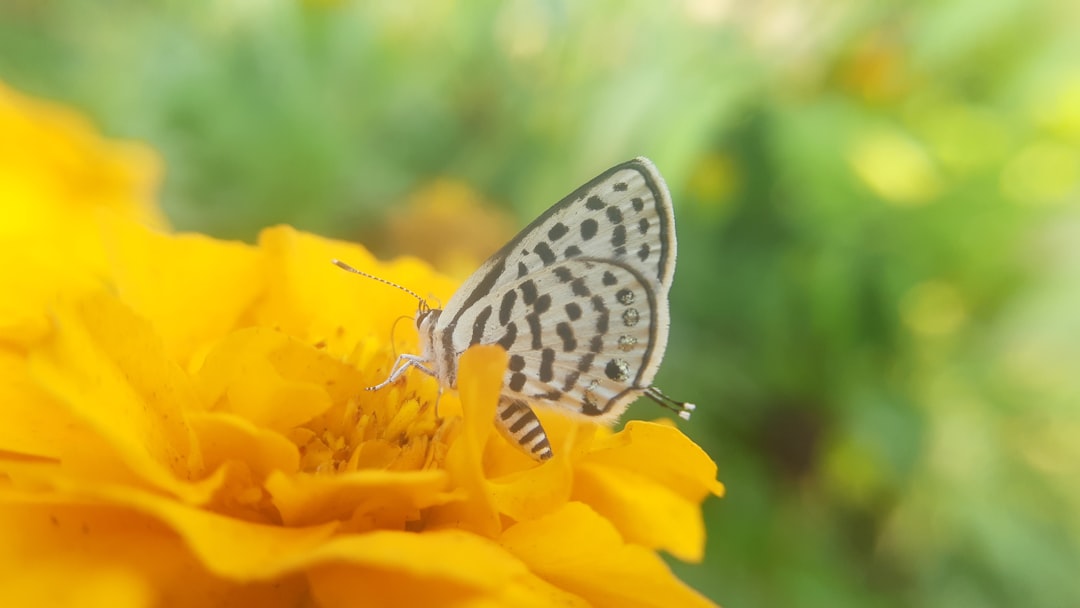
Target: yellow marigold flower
column 185, row 423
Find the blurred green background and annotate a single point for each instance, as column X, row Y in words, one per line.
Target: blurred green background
column 879, row 220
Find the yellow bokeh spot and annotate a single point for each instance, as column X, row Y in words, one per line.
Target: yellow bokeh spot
column 449, row 224
column 1061, row 112
column 962, row 137
column 933, row 308
column 896, row 167
column 522, row 29
column 853, row 471
column 1042, row 173
column 714, row 181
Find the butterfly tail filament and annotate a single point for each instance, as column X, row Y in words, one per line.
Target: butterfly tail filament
column 681, row 408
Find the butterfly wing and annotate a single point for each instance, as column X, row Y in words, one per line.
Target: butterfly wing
column 624, row 215
column 578, row 299
column 587, row 343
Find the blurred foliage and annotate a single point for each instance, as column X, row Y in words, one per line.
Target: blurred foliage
column 879, row 276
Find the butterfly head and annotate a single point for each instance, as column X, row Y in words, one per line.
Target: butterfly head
column 426, row 316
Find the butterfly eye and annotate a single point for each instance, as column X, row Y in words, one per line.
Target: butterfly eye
column 422, row 316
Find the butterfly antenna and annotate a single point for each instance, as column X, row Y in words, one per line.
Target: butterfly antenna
column 682, row 408
column 344, row 266
column 393, row 328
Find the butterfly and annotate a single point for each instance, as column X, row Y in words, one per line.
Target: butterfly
column 579, row 300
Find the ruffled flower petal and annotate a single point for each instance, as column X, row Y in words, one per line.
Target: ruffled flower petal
column 648, row 481
column 191, row 288
column 186, row 423
column 107, row 369
column 577, row 549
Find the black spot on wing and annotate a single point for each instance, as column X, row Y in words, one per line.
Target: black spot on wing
column 546, row 254
column 585, row 363
column 596, row 344
column 614, row 215
column 566, row 333
column 594, row 203
column 589, row 227
column 480, row 324
column 543, row 303
column 557, row 231
column 526, row 417
column 571, row 380
column 509, row 337
column 602, row 312
column 509, row 411
column 618, row 236
column 517, row 382
column 528, row 292
column 536, row 331
column 517, row 363
column 547, row 362
column 573, row 310
column 616, row 370
column 542, row 449
column 578, row 287
column 507, row 306
column 528, row 437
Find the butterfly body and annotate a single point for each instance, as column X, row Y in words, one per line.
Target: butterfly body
column 579, row 300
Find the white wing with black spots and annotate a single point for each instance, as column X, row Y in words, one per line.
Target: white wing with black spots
column 579, row 299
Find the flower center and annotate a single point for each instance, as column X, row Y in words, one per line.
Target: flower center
column 394, row 428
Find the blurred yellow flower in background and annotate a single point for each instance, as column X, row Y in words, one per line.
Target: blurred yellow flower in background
column 184, row 423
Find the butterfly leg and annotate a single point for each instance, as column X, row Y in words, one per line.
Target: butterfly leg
column 401, row 365
column 521, row 427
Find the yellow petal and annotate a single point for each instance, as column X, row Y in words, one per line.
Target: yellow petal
column 243, row 456
column 272, row 379
column 663, row 453
column 109, row 370
column 312, row 299
column 480, row 378
column 111, row 556
column 42, row 275
column 192, row 288
column 528, row 490
column 653, row 501
column 645, row 512
column 54, row 158
column 227, row 438
column 402, row 569
column 57, row 178
column 535, row 491
column 596, row 564
column 34, row 424
column 531, row 591
column 385, row 499
column 434, row 565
